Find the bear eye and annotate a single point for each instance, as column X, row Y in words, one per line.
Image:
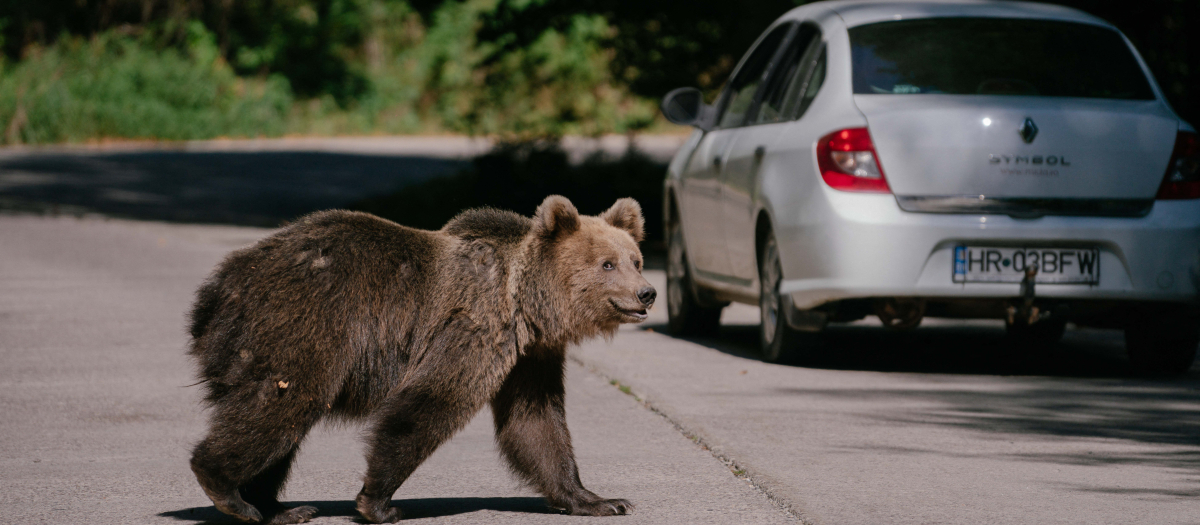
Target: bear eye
column 608, row 265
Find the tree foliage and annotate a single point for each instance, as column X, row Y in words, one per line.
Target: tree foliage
column 656, row 46
column 519, row 68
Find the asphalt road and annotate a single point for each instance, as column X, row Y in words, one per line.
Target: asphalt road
column 939, row 425
column 933, row 426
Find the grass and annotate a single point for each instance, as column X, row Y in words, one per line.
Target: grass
column 624, row 389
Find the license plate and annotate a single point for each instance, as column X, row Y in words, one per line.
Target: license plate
column 989, row 264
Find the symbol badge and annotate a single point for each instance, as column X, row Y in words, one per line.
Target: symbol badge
column 1028, row 130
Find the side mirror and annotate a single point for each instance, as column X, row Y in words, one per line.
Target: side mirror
column 686, row 107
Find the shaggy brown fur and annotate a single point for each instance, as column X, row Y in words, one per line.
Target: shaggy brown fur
column 347, row 315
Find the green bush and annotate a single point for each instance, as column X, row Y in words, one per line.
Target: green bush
column 116, row 85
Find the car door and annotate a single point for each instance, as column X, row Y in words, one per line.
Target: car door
column 700, row 185
column 700, row 196
column 778, row 104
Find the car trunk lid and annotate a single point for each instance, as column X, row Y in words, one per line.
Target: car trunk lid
column 1020, row 147
column 985, row 113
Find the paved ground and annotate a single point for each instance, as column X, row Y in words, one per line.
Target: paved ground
column 98, row 420
column 934, row 426
column 940, row 425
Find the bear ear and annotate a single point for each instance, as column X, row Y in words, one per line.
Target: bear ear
column 626, row 214
column 556, row 216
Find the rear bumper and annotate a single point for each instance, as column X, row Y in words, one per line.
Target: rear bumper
column 863, row 245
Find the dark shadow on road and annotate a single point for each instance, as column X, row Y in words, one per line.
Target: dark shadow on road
column 251, row 188
column 1079, row 389
column 1129, row 422
column 977, row 349
column 409, row 508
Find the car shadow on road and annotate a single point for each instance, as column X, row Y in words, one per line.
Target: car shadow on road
column 1078, row 389
column 976, row 349
column 409, row 508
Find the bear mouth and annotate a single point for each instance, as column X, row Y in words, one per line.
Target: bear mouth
column 637, row 314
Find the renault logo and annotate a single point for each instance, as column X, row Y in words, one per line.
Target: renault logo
column 1028, row 130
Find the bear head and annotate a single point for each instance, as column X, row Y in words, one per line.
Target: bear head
column 598, row 260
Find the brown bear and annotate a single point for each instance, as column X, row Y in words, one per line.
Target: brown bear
column 346, row 315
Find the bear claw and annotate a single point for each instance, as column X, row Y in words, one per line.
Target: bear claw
column 239, row 509
column 603, row 507
column 294, row 515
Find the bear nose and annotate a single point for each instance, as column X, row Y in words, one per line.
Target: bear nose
column 646, row 295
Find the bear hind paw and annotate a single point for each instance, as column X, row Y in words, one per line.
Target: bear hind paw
column 376, row 511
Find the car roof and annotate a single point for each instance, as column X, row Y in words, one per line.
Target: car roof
column 859, row 12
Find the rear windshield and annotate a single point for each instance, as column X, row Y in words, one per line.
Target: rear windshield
column 995, row 56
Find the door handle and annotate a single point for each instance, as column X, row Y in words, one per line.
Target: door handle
column 759, row 152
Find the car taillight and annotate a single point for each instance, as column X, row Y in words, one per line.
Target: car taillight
column 1183, row 172
column 848, row 162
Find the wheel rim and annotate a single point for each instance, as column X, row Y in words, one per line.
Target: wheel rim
column 769, row 297
column 676, row 272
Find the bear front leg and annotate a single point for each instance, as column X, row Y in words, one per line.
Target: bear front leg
column 531, row 429
column 442, row 395
column 414, row 422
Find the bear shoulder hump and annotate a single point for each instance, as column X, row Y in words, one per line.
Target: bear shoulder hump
column 499, row 226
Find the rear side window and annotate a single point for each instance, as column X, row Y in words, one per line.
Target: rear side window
column 995, row 56
column 784, row 88
column 742, row 88
column 799, row 99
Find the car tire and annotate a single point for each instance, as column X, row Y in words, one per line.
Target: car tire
column 1040, row 333
column 779, row 343
column 1162, row 341
column 686, row 316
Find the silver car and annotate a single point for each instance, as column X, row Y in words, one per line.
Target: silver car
column 958, row 159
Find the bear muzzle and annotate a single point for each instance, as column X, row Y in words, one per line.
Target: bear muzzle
column 637, row 313
column 646, row 295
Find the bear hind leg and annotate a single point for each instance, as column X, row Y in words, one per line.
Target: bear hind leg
column 242, row 473
column 220, row 487
column 262, row 492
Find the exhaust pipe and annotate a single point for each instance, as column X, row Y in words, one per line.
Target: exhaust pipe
column 899, row 313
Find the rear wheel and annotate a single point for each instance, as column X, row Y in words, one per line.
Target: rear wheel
column 1162, row 341
column 779, row 342
column 686, row 315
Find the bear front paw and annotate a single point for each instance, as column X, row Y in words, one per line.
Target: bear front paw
column 293, row 515
column 602, row 507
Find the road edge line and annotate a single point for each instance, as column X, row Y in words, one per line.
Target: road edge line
column 729, row 462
